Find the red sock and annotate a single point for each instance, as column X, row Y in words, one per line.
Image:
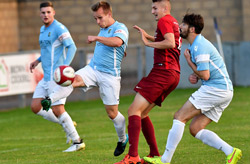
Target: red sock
column 149, row 134
column 134, row 128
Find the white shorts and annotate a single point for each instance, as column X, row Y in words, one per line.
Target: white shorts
column 44, row 88
column 109, row 85
column 211, row 101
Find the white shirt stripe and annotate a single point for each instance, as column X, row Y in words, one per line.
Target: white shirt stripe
column 221, row 72
column 115, row 57
column 202, row 58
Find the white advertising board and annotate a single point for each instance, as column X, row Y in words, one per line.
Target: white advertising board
column 15, row 75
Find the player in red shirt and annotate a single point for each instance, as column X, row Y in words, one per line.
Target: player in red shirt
column 162, row 80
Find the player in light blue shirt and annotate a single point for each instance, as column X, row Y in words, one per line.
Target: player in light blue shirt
column 111, row 61
column 57, row 48
column 104, row 70
column 206, row 57
column 208, row 102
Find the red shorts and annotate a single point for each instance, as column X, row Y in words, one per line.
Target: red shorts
column 158, row 85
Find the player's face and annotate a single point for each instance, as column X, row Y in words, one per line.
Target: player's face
column 158, row 10
column 101, row 18
column 47, row 15
column 184, row 30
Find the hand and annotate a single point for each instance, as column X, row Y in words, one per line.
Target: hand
column 187, row 54
column 33, row 65
column 143, row 34
column 140, row 30
column 193, row 78
column 91, row 39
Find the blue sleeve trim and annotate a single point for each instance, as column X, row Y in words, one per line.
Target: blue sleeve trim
column 39, row 59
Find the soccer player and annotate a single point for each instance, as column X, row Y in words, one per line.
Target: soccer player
column 57, row 48
column 209, row 101
column 104, row 69
column 161, row 81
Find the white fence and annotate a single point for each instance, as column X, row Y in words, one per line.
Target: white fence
column 15, row 76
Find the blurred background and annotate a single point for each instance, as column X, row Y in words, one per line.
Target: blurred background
column 20, row 24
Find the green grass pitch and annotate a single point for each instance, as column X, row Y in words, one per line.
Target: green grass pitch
column 26, row 138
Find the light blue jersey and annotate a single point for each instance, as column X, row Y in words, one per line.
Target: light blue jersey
column 57, row 48
column 108, row 59
column 206, row 57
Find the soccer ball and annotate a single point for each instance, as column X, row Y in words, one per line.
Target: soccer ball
column 64, row 75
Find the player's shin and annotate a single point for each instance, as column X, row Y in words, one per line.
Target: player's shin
column 212, row 139
column 48, row 115
column 174, row 137
column 120, row 126
column 134, row 128
column 149, row 134
column 68, row 126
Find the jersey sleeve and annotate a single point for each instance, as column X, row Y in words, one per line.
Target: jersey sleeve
column 165, row 26
column 70, row 54
column 39, row 59
column 122, row 32
column 201, row 58
column 64, row 36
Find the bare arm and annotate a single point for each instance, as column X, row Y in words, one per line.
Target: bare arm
column 108, row 41
column 143, row 32
column 205, row 75
column 33, row 65
column 168, row 42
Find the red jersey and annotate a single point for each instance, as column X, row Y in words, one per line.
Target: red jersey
column 167, row 58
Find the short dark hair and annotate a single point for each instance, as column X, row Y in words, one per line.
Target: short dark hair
column 159, row 0
column 102, row 4
column 46, row 4
column 194, row 20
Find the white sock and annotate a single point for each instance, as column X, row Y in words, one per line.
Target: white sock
column 60, row 93
column 48, row 115
column 120, row 127
column 68, row 126
column 174, row 137
column 212, row 139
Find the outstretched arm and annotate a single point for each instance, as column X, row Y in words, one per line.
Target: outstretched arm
column 108, row 41
column 144, row 34
column 168, row 42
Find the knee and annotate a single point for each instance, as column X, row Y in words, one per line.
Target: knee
column 111, row 115
column 132, row 110
column 144, row 115
column 112, row 112
column 180, row 117
column 35, row 108
column 194, row 129
column 176, row 116
column 58, row 110
column 78, row 82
